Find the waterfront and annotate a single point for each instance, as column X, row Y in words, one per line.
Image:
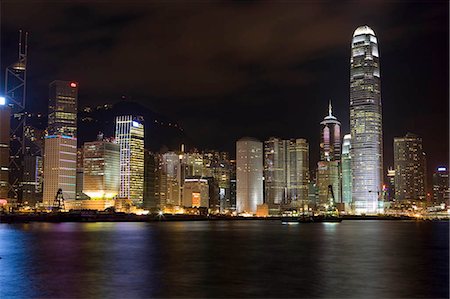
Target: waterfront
column 359, row 259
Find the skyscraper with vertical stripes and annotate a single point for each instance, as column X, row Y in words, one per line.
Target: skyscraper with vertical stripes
column 365, row 121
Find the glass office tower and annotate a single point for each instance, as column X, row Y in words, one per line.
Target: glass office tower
column 130, row 137
column 365, row 121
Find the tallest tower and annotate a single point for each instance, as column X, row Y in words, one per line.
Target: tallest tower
column 365, row 121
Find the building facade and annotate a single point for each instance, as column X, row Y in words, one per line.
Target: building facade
column 196, row 193
column 346, row 170
column 249, row 175
column 366, row 121
column 441, row 191
column 62, row 109
column 5, row 119
column 101, row 169
column 130, row 137
column 330, row 137
column 410, row 168
column 286, row 171
column 60, row 161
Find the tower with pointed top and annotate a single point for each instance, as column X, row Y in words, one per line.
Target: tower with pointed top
column 328, row 168
column 365, row 122
column 330, row 141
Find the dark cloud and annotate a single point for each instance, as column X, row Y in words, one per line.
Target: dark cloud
column 227, row 69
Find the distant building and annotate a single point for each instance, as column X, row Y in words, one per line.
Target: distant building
column 172, row 172
column 5, row 119
column 391, row 184
column 366, row 121
column 249, row 175
column 80, row 173
column 32, row 180
column 130, row 137
column 330, row 138
column 150, row 180
column 409, row 166
column 328, row 182
column 233, row 189
column 346, row 170
column 59, row 167
column 286, row 171
column 62, row 109
column 196, row 193
column 441, row 191
column 101, row 164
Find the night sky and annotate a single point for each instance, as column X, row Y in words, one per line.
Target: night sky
column 224, row 70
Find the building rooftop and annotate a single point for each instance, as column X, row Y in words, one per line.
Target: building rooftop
column 363, row 30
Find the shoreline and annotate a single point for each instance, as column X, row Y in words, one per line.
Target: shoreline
column 119, row 217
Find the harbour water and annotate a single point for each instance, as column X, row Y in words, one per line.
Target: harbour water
column 357, row 259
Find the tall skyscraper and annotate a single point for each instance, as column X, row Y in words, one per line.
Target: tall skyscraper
column 62, row 109
column 101, row 164
column 249, row 175
column 366, row 121
column 4, row 148
column 60, row 161
column 130, row 137
column 330, row 141
column 441, row 191
column 60, row 156
column 346, row 171
column 409, row 165
column 328, row 168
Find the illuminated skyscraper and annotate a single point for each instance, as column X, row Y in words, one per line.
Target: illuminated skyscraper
column 4, row 148
column 60, row 156
column 409, row 166
column 365, row 121
column 60, row 161
column 441, row 191
column 62, row 109
column 101, row 164
column 330, row 141
column 286, row 171
column 346, row 171
column 130, row 137
column 328, row 168
column 249, row 175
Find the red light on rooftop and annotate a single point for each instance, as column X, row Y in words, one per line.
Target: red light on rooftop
column 73, row 84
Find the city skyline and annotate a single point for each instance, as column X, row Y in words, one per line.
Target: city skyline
column 294, row 78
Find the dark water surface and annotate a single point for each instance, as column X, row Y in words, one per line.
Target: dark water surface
column 359, row 259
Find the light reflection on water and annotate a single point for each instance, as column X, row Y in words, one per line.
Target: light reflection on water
column 358, row 259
